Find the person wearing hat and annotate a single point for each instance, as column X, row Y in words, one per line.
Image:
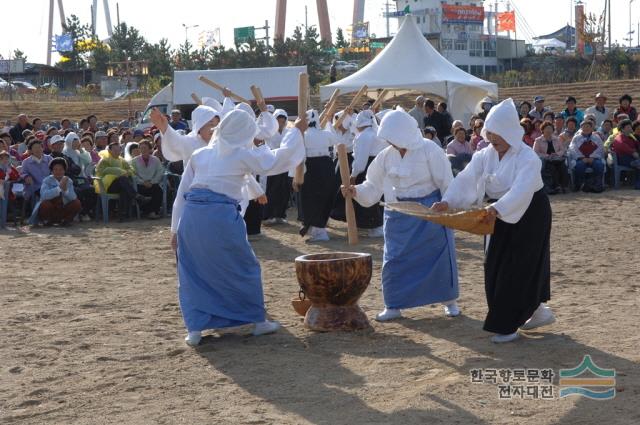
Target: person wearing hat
column 627, row 147
column 599, row 110
column 7, row 173
column 58, row 200
column 517, row 266
column 318, row 192
column 419, row 265
column 278, row 186
column 219, row 276
column 586, row 151
column 417, row 112
column 366, row 146
column 34, row 168
column 485, row 106
column 571, row 110
column 177, row 123
column 626, row 108
column 539, row 109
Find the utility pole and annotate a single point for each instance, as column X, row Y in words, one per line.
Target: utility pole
column 118, row 13
column 49, row 34
column 630, row 27
column 387, row 14
column 306, row 23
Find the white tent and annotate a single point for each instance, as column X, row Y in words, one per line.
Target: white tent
column 550, row 42
column 411, row 64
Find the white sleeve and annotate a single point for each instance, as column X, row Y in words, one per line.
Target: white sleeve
column 267, row 126
column 266, row 162
column 254, row 190
column 178, row 204
column 513, row 204
column 371, row 190
column 462, row 192
column 439, row 167
column 361, row 149
column 174, row 145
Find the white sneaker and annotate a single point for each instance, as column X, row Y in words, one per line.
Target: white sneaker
column 388, row 314
column 378, row 232
column 543, row 316
column 193, row 338
column 451, row 309
column 318, row 235
column 265, row 327
column 501, row 338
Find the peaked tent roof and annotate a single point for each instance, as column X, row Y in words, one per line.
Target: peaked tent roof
column 411, row 63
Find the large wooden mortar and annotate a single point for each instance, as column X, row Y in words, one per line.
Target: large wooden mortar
column 334, row 283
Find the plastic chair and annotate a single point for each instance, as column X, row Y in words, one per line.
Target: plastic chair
column 102, row 203
column 164, row 185
column 617, row 169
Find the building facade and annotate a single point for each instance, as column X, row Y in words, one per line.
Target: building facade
column 463, row 32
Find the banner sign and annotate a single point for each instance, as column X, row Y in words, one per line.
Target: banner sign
column 472, row 15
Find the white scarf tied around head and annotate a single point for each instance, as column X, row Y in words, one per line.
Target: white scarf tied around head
column 236, row 131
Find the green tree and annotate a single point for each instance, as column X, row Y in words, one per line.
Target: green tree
column 340, row 40
column 75, row 59
column 159, row 56
column 19, row 54
column 183, row 58
column 126, row 41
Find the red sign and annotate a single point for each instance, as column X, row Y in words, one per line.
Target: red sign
column 507, row 21
column 452, row 14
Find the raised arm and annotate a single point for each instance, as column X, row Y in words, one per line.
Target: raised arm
column 267, row 162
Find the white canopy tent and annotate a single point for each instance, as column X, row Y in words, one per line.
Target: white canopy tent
column 411, row 64
column 550, row 42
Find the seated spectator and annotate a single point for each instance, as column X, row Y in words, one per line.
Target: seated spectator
column 627, row 147
column 157, row 151
column 525, row 108
column 550, row 116
column 83, row 125
column 606, row 129
column 138, row 135
column 599, row 110
column 572, row 111
column 101, row 140
column 539, row 109
column 459, row 150
column 537, row 131
column 65, row 124
column 587, row 150
column 17, row 131
column 131, row 151
column 571, row 127
column 87, row 145
column 456, row 124
column 77, row 161
column 626, row 109
column 6, row 145
column 7, row 173
column 116, row 175
column 34, row 169
column 477, row 141
column 527, row 125
column 552, row 153
column 58, row 200
column 430, row 133
column 176, row 122
column 558, row 124
column 148, row 176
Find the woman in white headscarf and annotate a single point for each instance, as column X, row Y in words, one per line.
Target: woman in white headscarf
column 278, row 186
column 517, row 263
column 319, row 189
column 366, row 146
column 419, row 264
column 219, row 275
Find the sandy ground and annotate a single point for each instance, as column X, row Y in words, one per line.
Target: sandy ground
column 91, row 333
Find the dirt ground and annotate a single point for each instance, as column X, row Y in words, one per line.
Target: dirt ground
column 92, row 334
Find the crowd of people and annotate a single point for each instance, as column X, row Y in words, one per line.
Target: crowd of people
column 576, row 146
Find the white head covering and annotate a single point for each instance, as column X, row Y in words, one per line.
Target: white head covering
column 348, row 120
column 212, row 103
column 271, row 109
column 504, row 121
column 312, row 117
column 279, row 113
column 202, row 115
column 127, row 151
column 236, row 130
column 400, row 129
column 365, row 119
column 68, row 147
column 245, row 107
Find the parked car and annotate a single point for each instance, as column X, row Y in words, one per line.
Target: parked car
column 24, row 87
column 4, row 85
column 633, row 51
column 50, row 85
column 346, row 66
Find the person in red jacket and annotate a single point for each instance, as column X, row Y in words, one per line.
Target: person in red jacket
column 7, row 173
column 627, row 147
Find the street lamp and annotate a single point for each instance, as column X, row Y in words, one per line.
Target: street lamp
column 127, row 69
column 186, row 30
